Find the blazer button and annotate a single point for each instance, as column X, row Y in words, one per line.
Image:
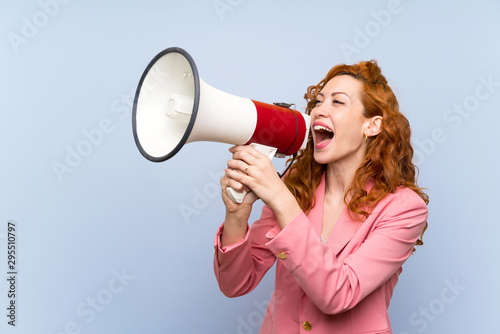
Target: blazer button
column 282, row 255
column 307, row 325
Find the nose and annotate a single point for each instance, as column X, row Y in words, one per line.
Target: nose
column 319, row 111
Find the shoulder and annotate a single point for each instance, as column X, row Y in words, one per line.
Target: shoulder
column 404, row 196
column 402, row 205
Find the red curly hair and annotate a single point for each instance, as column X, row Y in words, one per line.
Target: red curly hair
column 388, row 159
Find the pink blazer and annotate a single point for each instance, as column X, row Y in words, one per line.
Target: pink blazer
column 343, row 286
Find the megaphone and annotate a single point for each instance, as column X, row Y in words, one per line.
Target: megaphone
column 173, row 107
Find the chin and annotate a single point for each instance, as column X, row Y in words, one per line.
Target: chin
column 322, row 157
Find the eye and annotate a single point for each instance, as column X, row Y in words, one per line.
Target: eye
column 317, row 102
column 338, row 102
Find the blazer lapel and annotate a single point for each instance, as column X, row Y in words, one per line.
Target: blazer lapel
column 344, row 229
column 342, row 232
column 316, row 214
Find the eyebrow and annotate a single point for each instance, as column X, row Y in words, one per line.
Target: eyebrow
column 334, row 93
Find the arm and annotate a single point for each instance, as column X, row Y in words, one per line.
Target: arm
column 380, row 246
column 241, row 266
column 241, row 257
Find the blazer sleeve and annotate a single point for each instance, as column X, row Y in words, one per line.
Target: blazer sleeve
column 240, row 267
column 335, row 286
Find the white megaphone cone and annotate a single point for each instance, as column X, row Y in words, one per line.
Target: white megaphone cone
column 173, row 106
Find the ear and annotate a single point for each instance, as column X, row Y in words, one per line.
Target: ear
column 374, row 126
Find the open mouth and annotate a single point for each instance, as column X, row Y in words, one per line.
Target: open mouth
column 323, row 135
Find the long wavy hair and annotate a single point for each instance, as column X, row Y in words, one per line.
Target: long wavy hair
column 388, row 159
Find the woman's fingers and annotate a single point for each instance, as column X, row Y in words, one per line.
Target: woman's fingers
column 247, row 154
column 239, row 166
column 252, row 170
column 236, row 179
column 228, row 182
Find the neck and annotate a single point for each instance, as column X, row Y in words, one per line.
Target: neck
column 339, row 177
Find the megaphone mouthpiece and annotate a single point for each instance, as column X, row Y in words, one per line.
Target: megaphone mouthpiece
column 179, row 106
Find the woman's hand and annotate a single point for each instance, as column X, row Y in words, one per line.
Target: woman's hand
column 254, row 172
column 237, row 214
column 250, row 169
column 242, row 209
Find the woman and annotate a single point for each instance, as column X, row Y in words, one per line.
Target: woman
column 342, row 222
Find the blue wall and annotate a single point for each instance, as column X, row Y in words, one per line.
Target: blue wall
column 109, row 242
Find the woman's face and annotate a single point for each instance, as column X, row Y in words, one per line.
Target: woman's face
column 337, row 122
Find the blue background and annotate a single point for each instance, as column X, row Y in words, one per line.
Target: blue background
column 109, row 242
